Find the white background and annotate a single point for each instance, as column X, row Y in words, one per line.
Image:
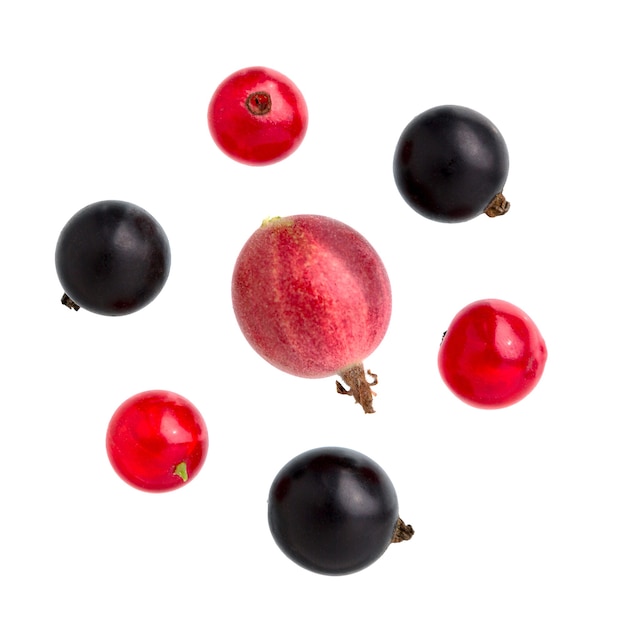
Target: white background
column 519, row 514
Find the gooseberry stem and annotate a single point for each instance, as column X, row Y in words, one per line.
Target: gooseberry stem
column 358, row 386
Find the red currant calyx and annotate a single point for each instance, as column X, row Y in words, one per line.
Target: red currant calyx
column 259, row 103
column 181, row 471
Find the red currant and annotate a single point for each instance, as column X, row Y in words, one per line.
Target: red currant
column 157, row 441
column 257, row 116
column 492, row 354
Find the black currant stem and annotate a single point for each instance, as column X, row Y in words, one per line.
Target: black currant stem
column 402, row 532
column 69, row 303
column 498, row 206
column 358, row 386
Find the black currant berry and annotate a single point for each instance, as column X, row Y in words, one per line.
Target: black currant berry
column 334, row 511
column 451, row 164
column 112, row 258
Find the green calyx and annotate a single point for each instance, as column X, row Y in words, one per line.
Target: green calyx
column 181, row 471
column 269, row 220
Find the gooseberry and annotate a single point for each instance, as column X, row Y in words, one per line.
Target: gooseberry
column 313, row 298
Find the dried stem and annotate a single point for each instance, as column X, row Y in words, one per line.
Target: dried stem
column 68, row 302
column 403, row 532
column 259, row 103
column 358, row 386
column 498, row 206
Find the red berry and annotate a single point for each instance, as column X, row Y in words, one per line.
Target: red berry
column 257, row 116
column 157, row 441
column 492, row 354
column 313, row 298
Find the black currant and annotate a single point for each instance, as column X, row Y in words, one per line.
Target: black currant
column 112, row 258
column 451, row 164
column 334, row 511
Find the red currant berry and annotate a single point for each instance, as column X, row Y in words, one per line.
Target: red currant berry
column 157, row 441
column 257, row 116
column 492, row 354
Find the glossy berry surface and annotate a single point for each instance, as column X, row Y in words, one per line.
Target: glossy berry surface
column 313, row 298
column 334, row 511
column 257, row 116
column 492, row 354
column 450, row 165
column 157, row 441
column 112, row 258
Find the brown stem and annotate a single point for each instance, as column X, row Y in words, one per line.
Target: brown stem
column 69, row 303
column 403, row 532
column 358, row 386
column 498, row 206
